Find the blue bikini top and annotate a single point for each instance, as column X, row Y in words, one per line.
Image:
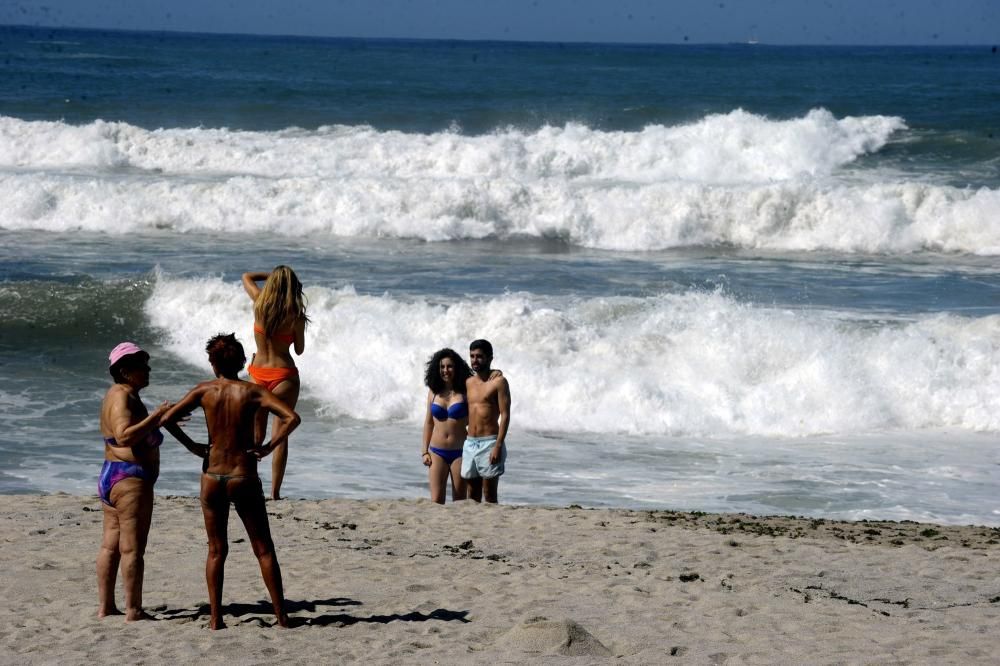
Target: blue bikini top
column 457, row 411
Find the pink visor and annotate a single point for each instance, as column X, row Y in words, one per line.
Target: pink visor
column 122, row 350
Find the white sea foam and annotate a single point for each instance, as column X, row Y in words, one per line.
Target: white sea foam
column 681, row 364
column 735, row 179
column 737, row 147
column 880, row 218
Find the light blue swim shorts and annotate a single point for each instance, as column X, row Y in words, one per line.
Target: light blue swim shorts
column 476, row 458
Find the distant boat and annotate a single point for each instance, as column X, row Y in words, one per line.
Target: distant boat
column 752, row 40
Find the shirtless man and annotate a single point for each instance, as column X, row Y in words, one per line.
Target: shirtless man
column 229, row 472
column 484, row 452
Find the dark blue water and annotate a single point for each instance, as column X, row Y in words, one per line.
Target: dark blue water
column 265, row 83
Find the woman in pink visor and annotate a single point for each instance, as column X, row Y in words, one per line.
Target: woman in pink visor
column 131, row 464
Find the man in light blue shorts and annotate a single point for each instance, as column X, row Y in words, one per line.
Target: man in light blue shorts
column 484, row 453
column 476, row 459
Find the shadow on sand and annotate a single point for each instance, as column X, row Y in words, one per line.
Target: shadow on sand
column 263, row 608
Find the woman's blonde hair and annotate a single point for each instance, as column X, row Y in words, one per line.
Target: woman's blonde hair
column 280, row 301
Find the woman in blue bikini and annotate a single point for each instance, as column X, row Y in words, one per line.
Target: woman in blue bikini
column 445, row 423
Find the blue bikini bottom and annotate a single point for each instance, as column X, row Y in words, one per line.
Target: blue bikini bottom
column 449, row 455
column 113, row 472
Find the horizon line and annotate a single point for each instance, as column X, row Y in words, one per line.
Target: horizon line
column 755, row 43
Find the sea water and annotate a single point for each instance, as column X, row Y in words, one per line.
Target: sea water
column 727, row 278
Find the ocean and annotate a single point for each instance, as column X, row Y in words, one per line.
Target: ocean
column 720, row 278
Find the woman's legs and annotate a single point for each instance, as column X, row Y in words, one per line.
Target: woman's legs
column 459, row 489
column 133, row 504
column 249, row 500
column 107, row 564
column 215, row 508
column 437, row 475
column 288, row 392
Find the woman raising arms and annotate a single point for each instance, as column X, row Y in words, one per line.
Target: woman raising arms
column 279, row 325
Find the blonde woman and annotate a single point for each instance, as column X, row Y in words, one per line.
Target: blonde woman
column 279, row 313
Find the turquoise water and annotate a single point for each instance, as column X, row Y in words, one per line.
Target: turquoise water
column 718, row 277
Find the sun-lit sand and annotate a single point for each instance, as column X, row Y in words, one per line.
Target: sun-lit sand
column 408, row 581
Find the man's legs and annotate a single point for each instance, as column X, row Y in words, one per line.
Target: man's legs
column 475, row 489
column 476, row 463
column 471, row 452
column 491, row 488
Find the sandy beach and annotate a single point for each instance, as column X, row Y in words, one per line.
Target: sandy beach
column 409, row 581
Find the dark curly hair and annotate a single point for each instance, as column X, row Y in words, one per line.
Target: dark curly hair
column 226, row 354
column 432, row 376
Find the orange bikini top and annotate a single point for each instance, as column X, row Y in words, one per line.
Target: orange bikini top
column 287, row 338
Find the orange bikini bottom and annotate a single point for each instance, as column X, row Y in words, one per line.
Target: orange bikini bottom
column 269, row 378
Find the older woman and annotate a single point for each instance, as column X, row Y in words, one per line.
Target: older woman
column 444, row 424
column 131, row 464
column 125, row 487
column 279, row 312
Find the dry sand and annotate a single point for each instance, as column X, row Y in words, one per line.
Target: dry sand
column 409, row 581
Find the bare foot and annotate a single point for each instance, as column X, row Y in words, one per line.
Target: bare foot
column 282, row 619
column 216, row 623
column 101, row 614
column 137, row 616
